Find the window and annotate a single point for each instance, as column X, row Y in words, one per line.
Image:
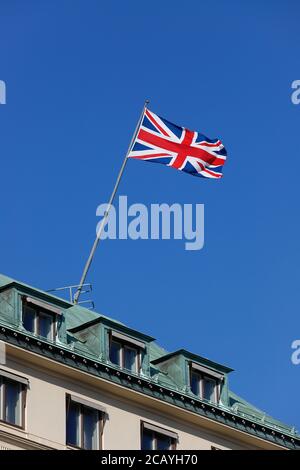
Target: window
column 204, row 386
column 209, row 389
column 156, row 438
column 124, row 355
column 130, row 358
column 12, row 399
column 83, row 424
column 115, row 352
column 37, row 320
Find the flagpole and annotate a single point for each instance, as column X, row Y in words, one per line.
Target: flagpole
column 99, row 233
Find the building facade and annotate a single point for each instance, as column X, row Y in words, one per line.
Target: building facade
column 74, row 379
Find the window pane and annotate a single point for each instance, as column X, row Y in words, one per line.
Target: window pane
column 163, row 442
column 45, row 326
column 73, row 425
column 12, row 402
column 90, row 428
column 28, row 318
column 209, row 389
column 147, row 439
column 130, row 359
column 115, row 352
column 195, row 383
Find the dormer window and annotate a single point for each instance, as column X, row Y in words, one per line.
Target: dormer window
column 205, row 383
column 124, row 356
column 125, row 352
column 39, row 318
column 204, row 387
column 156, row 438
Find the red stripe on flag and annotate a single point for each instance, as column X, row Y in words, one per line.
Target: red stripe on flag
column 209, row 144
column 179, row 148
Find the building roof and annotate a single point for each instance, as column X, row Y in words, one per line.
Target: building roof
column 235, row 412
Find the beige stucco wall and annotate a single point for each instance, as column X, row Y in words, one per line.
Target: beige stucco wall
column 46, row 411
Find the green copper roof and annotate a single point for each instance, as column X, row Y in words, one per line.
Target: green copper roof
column 78, row 314
column 7, row 281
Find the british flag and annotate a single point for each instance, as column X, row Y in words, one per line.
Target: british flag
column 160, row 141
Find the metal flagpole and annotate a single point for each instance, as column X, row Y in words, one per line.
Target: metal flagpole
column 99, row 233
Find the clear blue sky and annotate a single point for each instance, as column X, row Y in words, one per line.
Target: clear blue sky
column 77, row 73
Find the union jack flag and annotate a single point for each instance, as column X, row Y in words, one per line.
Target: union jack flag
column 160, row 141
